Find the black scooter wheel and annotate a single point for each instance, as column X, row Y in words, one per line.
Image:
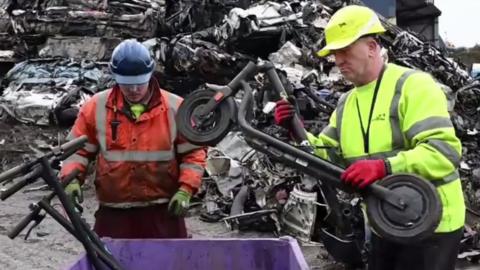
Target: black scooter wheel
column 216, row 125
column 417, row 221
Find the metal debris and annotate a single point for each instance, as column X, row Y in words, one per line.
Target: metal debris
column 92, row 48
column 36, row 90
column 134, row 18
column 186, row 63
column 299, row 214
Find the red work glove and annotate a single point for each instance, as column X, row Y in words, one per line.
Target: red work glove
column 284, row 112
column 364, row 172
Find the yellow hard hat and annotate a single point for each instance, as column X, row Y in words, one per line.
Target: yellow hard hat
column 349, row 24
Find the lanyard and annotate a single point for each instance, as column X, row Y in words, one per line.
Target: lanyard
column 366, row 134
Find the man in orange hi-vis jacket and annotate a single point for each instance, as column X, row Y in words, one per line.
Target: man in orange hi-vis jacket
column 145, row 171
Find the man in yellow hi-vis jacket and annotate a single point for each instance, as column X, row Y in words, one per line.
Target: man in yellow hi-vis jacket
column 395, row 120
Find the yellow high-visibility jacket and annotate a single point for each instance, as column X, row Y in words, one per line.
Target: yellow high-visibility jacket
column 410, row 129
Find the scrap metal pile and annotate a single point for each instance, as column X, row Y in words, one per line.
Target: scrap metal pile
column 195, row 42
column 34, row 21
column 50, row 91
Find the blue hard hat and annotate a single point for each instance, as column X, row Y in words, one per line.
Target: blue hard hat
column 131, row 63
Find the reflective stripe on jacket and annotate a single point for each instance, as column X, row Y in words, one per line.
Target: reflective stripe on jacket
column 148, row 159
column 410, row 129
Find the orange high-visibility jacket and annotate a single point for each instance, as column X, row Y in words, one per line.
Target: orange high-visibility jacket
column 148, row 161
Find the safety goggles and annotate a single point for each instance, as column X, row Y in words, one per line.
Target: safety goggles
column 133, row 87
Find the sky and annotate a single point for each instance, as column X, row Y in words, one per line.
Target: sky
column 459, row 22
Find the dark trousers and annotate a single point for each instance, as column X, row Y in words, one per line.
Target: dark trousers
column 436, row 253
column 142, row 222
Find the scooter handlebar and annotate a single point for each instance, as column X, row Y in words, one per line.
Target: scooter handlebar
column 67, row 147
column 36, row 210
column 74, row 144
column 27, row 179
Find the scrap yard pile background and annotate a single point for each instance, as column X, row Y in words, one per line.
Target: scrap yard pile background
column 54, row 55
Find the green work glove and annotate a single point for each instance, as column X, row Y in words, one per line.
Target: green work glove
column 74, row 190
column 179, row 203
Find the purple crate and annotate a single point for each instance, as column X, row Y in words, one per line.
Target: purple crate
column 203, row 254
